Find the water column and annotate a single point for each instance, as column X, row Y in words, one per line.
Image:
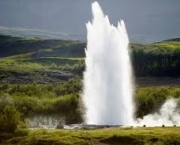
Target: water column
column 108, row 88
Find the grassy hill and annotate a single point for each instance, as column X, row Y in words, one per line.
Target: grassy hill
column 32, row 59
column 10, row 46
column 174, row 39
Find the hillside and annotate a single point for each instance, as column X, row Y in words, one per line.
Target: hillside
column 26, row 60
column 174, row 39
column 10, row 46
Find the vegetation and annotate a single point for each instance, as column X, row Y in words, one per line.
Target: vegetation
column 158, row 59
column 150, row 99
column 11, row 46
column 42, row 77
column 64, row 99
column 35, row 58
column 110, row 136
column 34, row 99
column 26, row 60
column 10, row 120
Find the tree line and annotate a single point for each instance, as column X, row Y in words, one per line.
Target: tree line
column 156, row 60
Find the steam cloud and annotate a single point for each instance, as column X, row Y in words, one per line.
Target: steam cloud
column 168, row 115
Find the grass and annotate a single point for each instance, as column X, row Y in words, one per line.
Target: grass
column 56, row 60
column 25, row 64
column 18, row 63
column 168, row 44
column 107, row 136
column 164, row 47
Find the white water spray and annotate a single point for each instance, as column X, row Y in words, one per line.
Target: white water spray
column 168, row 115
column 108, row 86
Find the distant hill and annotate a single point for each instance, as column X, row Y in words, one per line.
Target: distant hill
column 10, row 46
column 174, row 39
column 24, row 32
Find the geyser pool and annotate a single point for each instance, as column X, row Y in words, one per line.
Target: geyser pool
column 108, row 87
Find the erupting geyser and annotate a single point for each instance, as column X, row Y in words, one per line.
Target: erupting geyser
column 108, row 86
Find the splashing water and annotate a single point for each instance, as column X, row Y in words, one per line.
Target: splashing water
column 108, row 86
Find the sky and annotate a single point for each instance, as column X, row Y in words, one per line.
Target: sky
column 146, row 20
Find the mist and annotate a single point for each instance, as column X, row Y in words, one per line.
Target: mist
column 168, row 115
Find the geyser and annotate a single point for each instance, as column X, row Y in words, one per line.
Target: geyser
column 108, row 86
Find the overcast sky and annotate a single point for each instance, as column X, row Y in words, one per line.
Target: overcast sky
column 147, row 20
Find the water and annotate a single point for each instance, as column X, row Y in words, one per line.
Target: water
column 45, row 121
column 108, row 86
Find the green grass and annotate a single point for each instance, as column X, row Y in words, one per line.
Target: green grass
column 163, row 47
column 56, row 60
column 168, row 44
column 23, row 55
column 14, row 65
column 108, row 136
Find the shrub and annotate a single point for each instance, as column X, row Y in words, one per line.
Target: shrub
column 27, row 105
column 69, row 107
column 10, row 120
column 5, row 100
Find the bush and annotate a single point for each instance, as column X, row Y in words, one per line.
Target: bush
column 5, row 100
column 68, row 106
column 10, row 120
column 28, row 105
